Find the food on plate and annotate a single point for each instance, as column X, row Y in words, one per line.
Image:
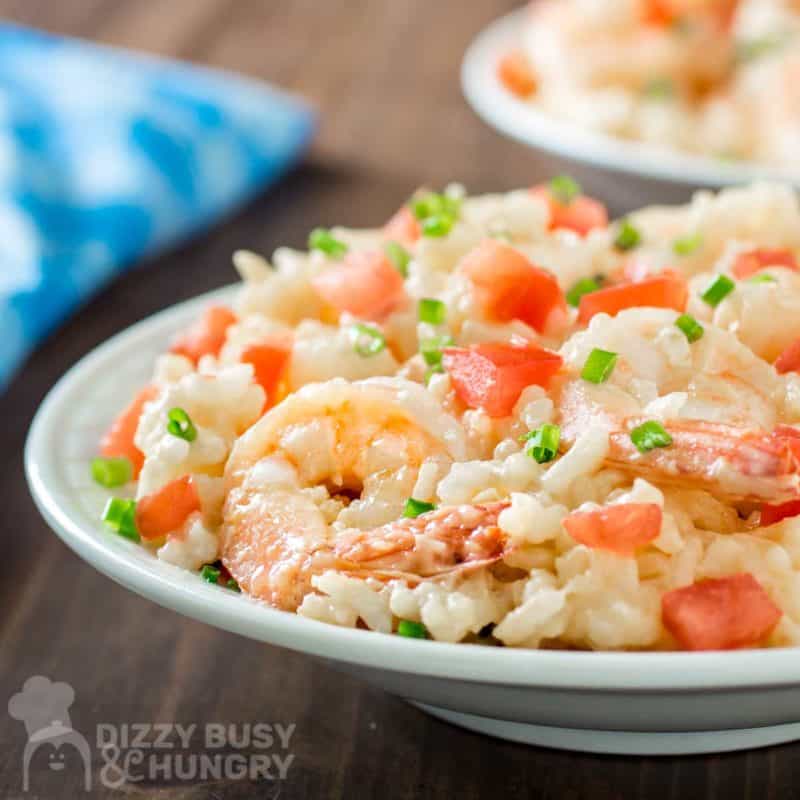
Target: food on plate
column 715, row 77
column 498, row 419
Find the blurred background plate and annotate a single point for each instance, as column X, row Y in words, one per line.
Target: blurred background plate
column 521, row 120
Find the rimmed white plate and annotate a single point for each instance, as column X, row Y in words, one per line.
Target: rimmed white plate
column 524, row 122
column 643, row 703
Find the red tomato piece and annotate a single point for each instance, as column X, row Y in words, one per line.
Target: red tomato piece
column 749, row 263
column 364, row 284
column 664, row 291
column 506, row 286
column 789, row 359
column 270, row 361
column 492, row 376
column 622, row 529
column 720, row 614
column 206, row 336
column 118, row 440
column 515, row 73
column 770, row 514
column 166, row 510
column 403, row 227
column 581, row 215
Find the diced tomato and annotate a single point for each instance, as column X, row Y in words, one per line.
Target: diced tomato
column 492, row 376
column 270, row 361
column 753, row 261
column 622, row 529
column 720, row 614
column 206, row 336
column 365, row 284
column 166, row 510
column 581, row 215
column 403, row 227
column 789, row 359
column 507, row 286
column 664, row 291
column 118, row 440
column 770, row 514
column 515, row 73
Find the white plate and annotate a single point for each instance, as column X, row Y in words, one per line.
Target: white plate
column 603, row 702
column 522, row 120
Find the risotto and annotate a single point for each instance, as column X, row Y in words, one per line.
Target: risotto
column 717, row 77
column 499, row 419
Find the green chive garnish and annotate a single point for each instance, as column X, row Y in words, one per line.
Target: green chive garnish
column 718, row 291
column 210, row 574
column 542, row 444
column 438, row 225
column 582, row 287
column 564, row 189
column 659, row 89
column 232, row 585
column 599, row 366
column 412, row 630
column 434, row 369
column 691, row 328
column 762, row 277
column 432, row 204
column 649, row 435
column 120, row 515
column 111, row 472
column 399, row 257
column 432, row 311
column 686, row 245
column 414, row 508
column 628, row 236
column 323, row 240
column 181, row 425
column 367, row 341
column 754, row 49
column 431, row 349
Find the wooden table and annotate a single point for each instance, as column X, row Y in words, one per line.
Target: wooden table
column 385, row 77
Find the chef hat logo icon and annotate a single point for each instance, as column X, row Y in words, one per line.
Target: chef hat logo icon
column 43, row 706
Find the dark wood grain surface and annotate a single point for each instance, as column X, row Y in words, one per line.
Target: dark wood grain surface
column 385, row 78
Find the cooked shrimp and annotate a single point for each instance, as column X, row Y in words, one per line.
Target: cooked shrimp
column 720, row 404
column 286, row 516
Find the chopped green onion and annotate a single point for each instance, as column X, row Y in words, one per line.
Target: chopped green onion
column 120, row 515
column 753, row 49
column 399, row 257
column 762, row 277
column 582, row 287
column 628, row 236
column 599, row 366
column 438, row 225
column 323, row 240
column 414, row 508
column 686, row 245
column 367, row 341
column 210, row 574
column 432, row 204
column 543, row 443
column 431, row 349
column 412, row 630
column 111, row 472
column 718, row 291
column 565, row 189
column 434, row 369
column 690, row 327
column 181, row 425
column 232, row 585
column 659, row 89
column 432, row 311
column 649, row 435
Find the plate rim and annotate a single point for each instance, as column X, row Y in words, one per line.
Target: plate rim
column 176, row 589
column 524, row 123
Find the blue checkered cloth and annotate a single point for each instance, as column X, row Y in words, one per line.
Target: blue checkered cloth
column 106, row 157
